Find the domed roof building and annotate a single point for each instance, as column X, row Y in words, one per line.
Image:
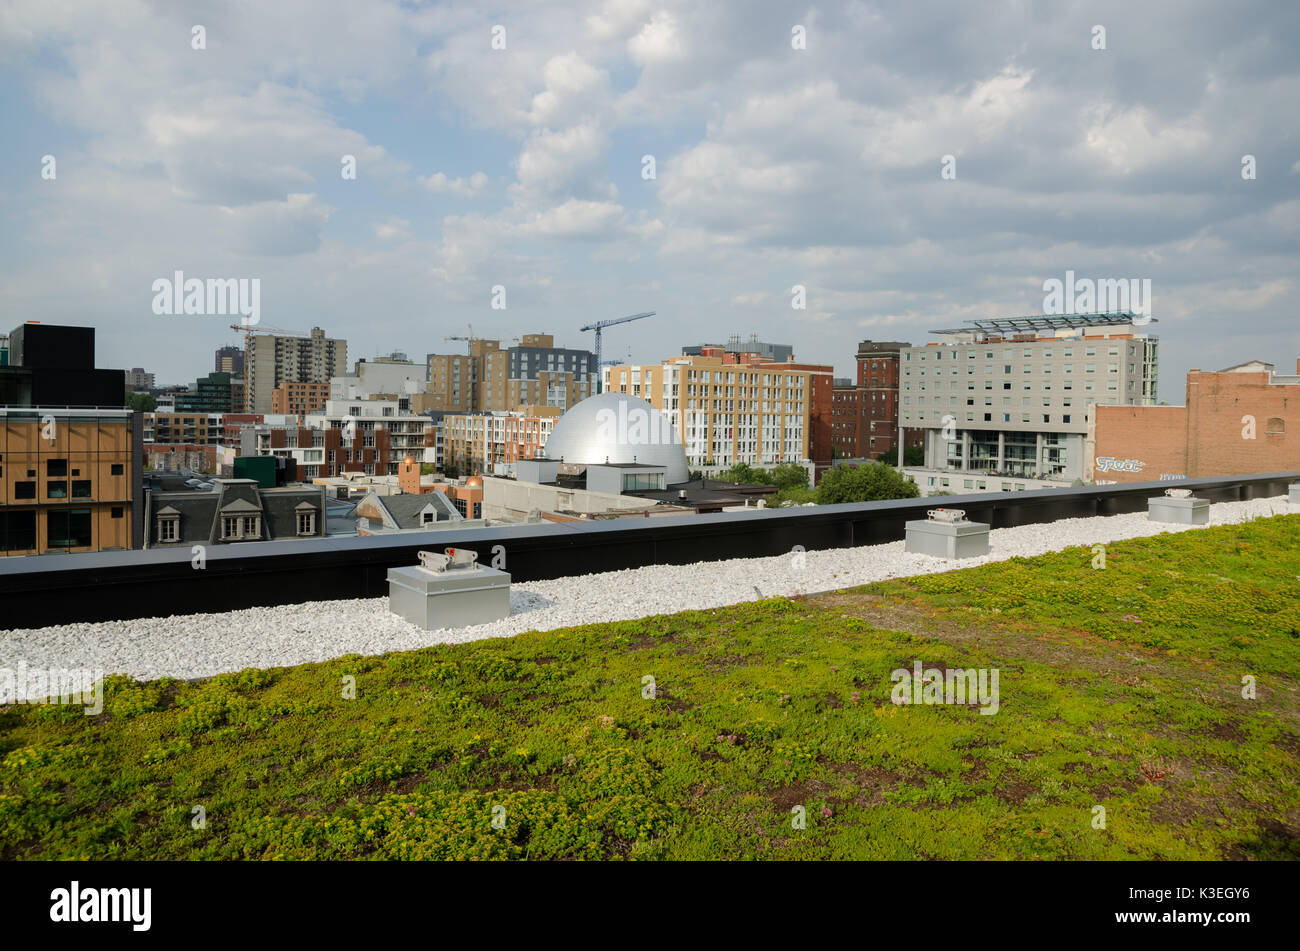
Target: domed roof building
column 618, row 429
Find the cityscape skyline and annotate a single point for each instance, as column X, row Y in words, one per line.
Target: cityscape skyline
column 524, row 168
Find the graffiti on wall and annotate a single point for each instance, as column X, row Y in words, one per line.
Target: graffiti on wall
column 1111, row 464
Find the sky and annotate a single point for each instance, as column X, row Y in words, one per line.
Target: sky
column 509, row 146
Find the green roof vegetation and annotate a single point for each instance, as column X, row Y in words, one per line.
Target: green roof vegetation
column 1120, row 687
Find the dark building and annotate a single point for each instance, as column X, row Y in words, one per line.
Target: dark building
column 210, row 394
column 230, row 360
column 54, row 366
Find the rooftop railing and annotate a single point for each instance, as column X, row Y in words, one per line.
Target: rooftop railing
column 36, row 591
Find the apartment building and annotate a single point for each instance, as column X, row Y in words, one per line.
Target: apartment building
column 491, row 443
column 300, row 399
column 369, row 436
column 138, row 381
column 730, row 408
column 1013, row 398
column 390, row 376
column 488, row 378
column 70, row 480
column 864, row 412
column 274, row 360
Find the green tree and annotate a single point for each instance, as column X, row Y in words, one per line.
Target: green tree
column 140, row 402
column 913, row 456
column 742, row 473
column 795, row 495
column 788, row 476
column 867, row 483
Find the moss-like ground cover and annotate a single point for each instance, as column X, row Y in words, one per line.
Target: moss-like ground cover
column 1119, row 687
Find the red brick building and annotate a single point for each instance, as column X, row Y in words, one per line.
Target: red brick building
column 864, row 415
column 1237, row 421
column 370, row 454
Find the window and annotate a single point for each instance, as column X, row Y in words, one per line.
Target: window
column 17, row 531
column 56, row 490
column 1276, row 424
column 117, row 511
column 56, row 467
column 307, row 522
column 115, row 469
column 68, row 528
column 81, row 488
column 167, row 528
column 24, row 490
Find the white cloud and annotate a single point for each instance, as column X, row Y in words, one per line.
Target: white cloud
column 662, row 40
column 440, row 184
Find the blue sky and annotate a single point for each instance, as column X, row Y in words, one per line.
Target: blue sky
column 775, row 166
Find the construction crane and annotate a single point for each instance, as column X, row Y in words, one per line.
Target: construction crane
column 598, row 326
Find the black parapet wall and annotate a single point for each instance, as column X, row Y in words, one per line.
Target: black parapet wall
column 36, row 591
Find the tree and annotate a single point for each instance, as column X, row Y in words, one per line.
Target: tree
column 742, row 473
column 141, row 402
column 869, row 483
column 913, row 456
column 787, row 475
column 795, row 495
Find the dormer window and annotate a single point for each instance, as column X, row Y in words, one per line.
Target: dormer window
column 236, row 528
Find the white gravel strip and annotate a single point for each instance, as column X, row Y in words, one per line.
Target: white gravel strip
column 200, row 645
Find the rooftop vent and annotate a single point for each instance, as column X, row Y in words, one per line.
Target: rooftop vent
column 1179, row 493
column 451, row 558
column 948, row 516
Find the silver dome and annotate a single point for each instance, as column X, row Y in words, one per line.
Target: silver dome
column 617, row 427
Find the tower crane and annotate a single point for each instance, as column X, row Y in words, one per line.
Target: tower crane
column 598, row 326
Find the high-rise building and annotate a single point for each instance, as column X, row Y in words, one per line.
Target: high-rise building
column 230, row 360
column 1014, row 397
column 274, row 360
column 730, row 408
column 138, row 381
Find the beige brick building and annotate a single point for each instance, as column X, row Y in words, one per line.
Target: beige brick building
column 490, row 379
column 730, row 408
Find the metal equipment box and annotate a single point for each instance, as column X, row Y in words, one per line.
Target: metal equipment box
column 457, row 597
column 947, row 539
column 1179, row 511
